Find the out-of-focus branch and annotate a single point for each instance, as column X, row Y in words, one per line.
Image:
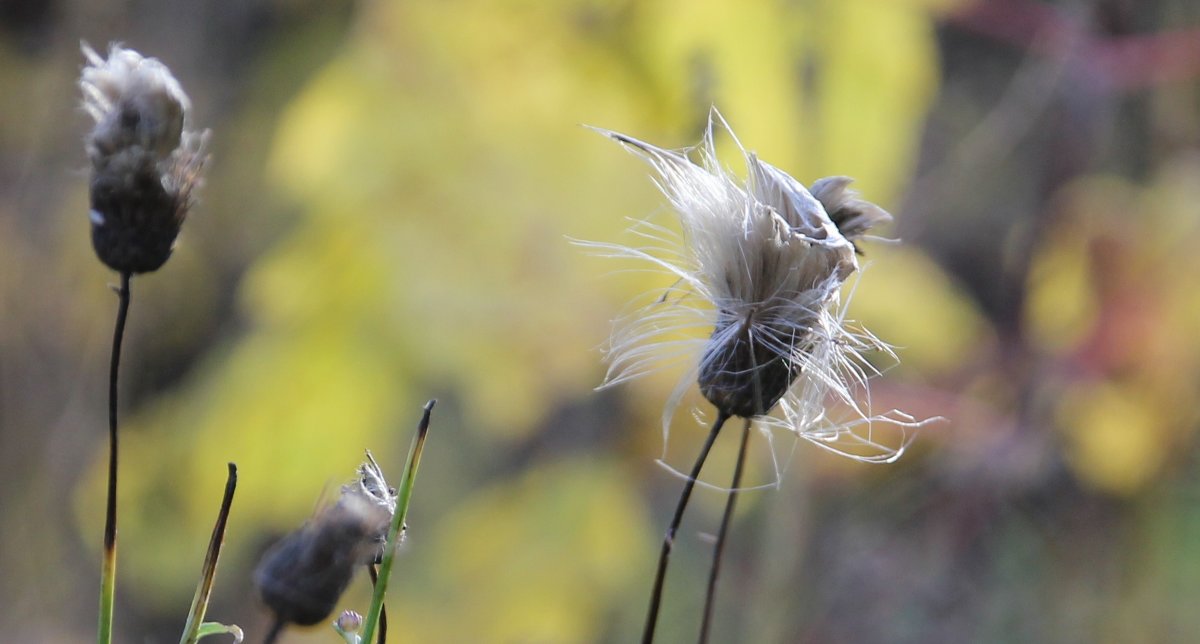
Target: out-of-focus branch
column 1122, row 64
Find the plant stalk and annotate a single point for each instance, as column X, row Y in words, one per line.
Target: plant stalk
column 669, row 539
column 403, row 496
column 373, row 570
column 277, row 627
column 108, row 568
column 719, row 549
column 191, row 630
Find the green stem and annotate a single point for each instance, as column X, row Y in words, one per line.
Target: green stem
column 711, row 596
column 374, row 572
column 402, row 498
column 108, row 567
column 191, row 630
column 669, row 540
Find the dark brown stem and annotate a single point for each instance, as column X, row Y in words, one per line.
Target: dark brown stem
column 276, row 629
column 374, row 571
column 108, row 566
column 208, row 574
column 669, row 540
column 110, row 525
column 719, row 550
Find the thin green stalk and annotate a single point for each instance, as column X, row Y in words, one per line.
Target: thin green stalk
column 373, row 570
column 108, row 567
column 719, row 550
column 402, row 499
column 669, row 540
column 191, row 630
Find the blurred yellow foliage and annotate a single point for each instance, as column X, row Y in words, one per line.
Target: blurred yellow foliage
column 534, row 559
column 1062, row 303
column 905, row 298
column 1112, row 293
column 1117, row 440
column 437, row 166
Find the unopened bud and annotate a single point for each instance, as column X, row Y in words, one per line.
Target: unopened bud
column 349, row 622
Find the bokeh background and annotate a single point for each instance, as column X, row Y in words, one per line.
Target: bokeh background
column 386, row 220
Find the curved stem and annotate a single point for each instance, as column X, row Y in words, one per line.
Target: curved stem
column 669, row 538
column 108, row 569
column 719, row 550
column 276, row 628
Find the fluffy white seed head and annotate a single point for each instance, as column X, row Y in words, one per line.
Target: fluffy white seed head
column 762, row 263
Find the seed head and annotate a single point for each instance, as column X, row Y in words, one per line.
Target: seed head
column 303, row 576
column 762, row 261
column 146, row 162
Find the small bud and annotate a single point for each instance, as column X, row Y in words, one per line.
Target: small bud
column 146, row 163
column 348, row 622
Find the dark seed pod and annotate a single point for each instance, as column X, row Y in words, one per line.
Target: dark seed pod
column 303, row 576
column 740, row 375
column 134, row 219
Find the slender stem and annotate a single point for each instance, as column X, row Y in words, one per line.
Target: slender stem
column 403, row 496
column 719, row 550
column 191, row 630
column 374, row 571
column 276, row 628
column 669, row 539
column 108, row 568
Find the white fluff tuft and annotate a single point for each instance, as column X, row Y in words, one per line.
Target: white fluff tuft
column 135, row 101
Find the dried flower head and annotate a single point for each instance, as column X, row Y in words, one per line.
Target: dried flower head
column 762, row 262
column 302, row 577
column 146, row 162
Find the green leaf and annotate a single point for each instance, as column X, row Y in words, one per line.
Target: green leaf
column 214, row 628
